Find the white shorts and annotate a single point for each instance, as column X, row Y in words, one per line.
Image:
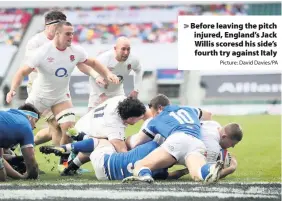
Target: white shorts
column 94, row 98
column 96, row 91
column 43, row 104
column 97, row 159
column 181, row 145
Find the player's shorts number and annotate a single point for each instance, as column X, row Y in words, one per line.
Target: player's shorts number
column 182, row 116
column 61, row 72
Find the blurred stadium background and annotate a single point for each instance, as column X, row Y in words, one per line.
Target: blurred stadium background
column 152, row 28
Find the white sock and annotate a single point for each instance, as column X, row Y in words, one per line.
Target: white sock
column 77, row 161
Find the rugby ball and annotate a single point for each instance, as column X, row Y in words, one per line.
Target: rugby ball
column 225, row 156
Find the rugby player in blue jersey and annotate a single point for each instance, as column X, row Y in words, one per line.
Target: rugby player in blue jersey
column 180, row 127
column 16, row 127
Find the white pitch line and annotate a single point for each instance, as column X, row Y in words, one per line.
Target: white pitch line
column 118, row 195
column 114, row 183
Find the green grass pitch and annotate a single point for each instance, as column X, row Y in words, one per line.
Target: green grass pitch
column 258, row 154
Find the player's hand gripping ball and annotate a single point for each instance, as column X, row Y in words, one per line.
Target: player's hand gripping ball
column 225, row 156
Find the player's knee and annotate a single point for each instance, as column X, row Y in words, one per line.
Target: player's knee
column 53, row 123
column 66, row 117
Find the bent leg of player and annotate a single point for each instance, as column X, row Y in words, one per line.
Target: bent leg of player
column 54, row 130
column 42, row 136
column 97, row 159
column 74, row 165
column 47, row 134
column 65, row 117
column 157, row 159
column 85, row 146
column 183, row 148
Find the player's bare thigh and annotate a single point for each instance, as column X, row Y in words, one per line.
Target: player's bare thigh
column 56, row 109
column 65, row 117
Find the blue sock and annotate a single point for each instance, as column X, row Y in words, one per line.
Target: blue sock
column 205, row 170
column 86, row 146
column 145, row 172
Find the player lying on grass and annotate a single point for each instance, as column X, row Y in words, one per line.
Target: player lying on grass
column 107, row 163
column 108, row 120
column 16, row 128
column 216, row 138
column 172, row 122
column 210, row 172
column 180, row 127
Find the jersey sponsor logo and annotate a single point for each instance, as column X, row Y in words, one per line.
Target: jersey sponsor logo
column 72, row 58
column 50, row 59
column 61, row 72
column 129, row 67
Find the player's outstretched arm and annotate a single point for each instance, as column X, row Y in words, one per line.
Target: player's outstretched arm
column 11, row 172
column 31, row 164
column 142, row 136
column 101, row 69
column 87, row 70
column 137, row 139
column 137, row 81
column 17, row 80
column 2, row 167
column 229, row 170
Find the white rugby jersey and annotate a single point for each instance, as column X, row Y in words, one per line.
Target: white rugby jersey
column 103, row 121
column 211, row 138
column 54, row 68
column 108, row 59
column 35, row 42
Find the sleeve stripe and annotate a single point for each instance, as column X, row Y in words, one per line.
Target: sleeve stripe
column 200, row 113
column 148, row 133
column 26, row 146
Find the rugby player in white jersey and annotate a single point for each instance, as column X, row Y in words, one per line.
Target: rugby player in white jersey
column 51, row 20
column 121, row 62
column 216, row 138
column 107, row 121
column 53, row 130
column 55, row 61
